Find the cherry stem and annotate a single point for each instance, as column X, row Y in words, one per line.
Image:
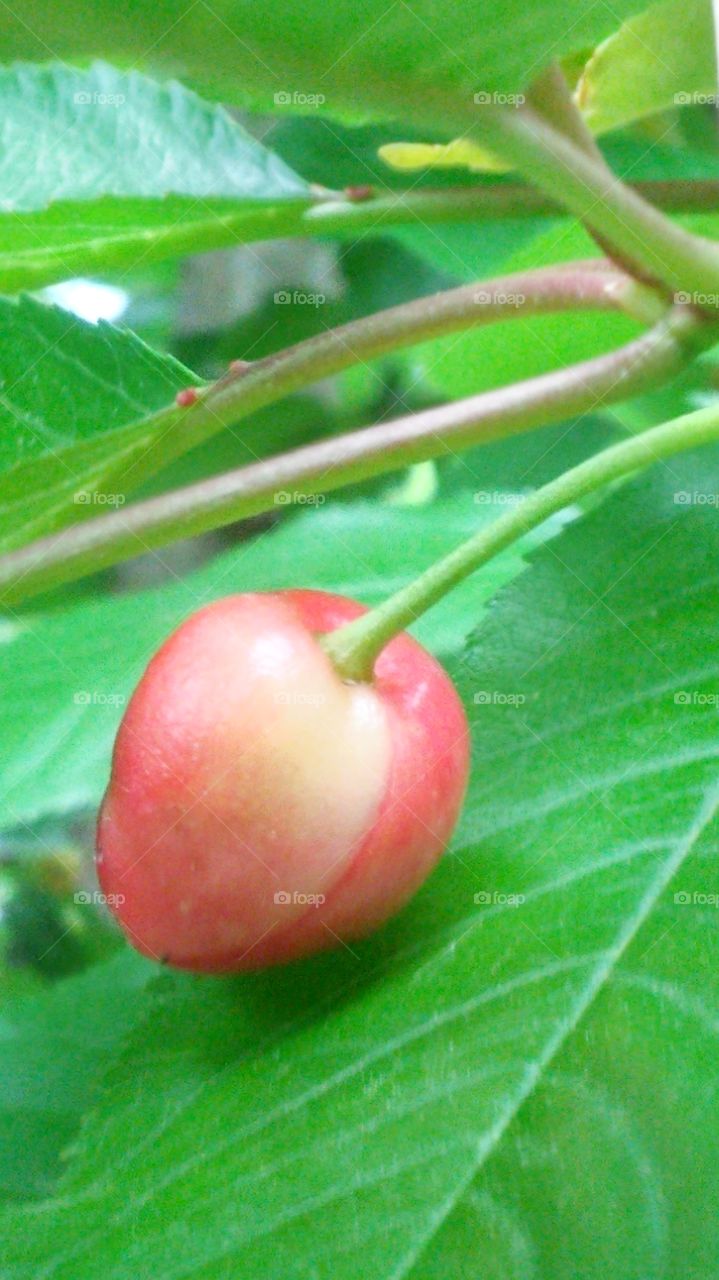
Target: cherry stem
column 325, row 465
column 639, row 233
column 488, row 202
column 329, row 214
column 355, row 647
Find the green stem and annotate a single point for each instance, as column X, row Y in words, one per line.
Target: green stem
column 551, row 98
column 355, row 647
column 491, row 202
column 643, row 235
column 329, row 464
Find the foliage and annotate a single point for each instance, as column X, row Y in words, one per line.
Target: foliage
column 517, row 1077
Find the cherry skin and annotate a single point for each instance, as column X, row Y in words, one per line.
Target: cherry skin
column 260, row 807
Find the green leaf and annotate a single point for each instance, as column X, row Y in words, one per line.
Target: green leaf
column 664, row 57
column 403, row 62
column 104, row 168
column 73, row 399
column 550, row 1044
column 610, row 1169
column 76, row 135
column 337, row 155
column 53, row 1048
column 112, row 234
column 524, row 462
column 67, row 676
column 471, row 250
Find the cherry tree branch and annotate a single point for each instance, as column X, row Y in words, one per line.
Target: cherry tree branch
column 329, row 464
column 334, row 214
column 247, row 387
column 661, row 249
column 552, row 99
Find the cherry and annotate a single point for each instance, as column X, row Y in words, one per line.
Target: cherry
column 260, row 806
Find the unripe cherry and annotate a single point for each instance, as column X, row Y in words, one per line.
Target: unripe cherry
column 260, row 806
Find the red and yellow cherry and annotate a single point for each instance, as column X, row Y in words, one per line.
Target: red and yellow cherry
column 260, row 806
